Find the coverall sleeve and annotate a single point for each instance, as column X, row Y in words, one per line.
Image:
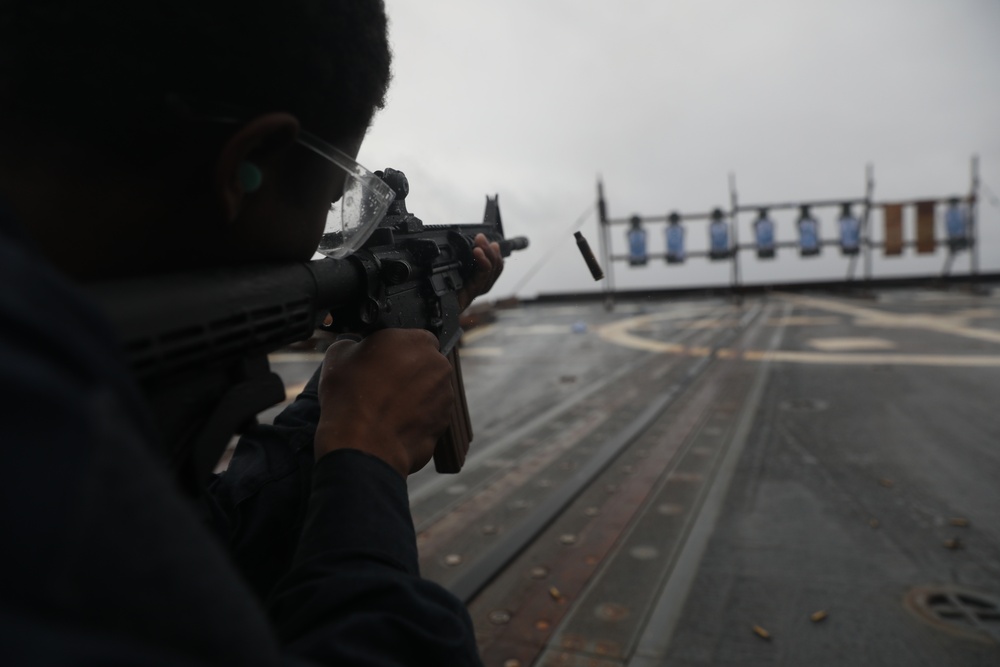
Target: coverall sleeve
column 108, row 563
column 331, row 547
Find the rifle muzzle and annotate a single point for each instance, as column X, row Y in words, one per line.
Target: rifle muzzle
column 508, row 246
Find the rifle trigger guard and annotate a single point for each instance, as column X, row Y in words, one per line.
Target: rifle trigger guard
column 372, row 303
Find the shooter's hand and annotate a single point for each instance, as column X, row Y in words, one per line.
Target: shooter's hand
column 389, row 395
column 489, row 266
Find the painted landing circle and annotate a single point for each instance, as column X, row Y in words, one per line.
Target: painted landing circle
column 631, row 332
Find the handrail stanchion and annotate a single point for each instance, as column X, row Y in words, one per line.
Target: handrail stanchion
column 866, row 220
column 609, row 268
column 734, row 216
column 973, row 223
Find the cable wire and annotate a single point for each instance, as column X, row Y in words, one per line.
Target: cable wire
column 993, row 199
column 552, row 249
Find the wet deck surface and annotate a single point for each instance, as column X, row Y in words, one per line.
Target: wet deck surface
column 647, row 485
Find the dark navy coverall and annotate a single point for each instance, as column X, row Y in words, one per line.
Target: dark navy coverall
column 104, row 562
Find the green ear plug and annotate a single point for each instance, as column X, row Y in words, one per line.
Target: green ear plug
column 250, row 176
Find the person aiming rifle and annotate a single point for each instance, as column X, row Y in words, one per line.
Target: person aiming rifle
column 143, row 139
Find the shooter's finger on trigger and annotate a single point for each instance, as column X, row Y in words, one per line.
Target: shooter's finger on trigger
column 490, row 248
column 497, row 259
column 493, row 264
column 483, row 263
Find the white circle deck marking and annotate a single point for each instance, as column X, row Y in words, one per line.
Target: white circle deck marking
column 623, row 332
column 707, row 324
column 644, row 552
column 669, row 509
column 850, row 344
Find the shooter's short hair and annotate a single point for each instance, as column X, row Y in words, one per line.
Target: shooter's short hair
column 72, row 65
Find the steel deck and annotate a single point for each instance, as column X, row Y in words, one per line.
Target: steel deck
column 648, row 485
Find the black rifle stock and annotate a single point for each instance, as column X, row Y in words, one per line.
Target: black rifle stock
column 197, row 342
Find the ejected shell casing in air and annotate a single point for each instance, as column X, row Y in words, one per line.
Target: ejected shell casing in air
column 588, row 256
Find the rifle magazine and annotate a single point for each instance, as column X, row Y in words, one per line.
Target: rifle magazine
column 453, row 446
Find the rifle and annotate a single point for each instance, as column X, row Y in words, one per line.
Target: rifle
column 197, row 342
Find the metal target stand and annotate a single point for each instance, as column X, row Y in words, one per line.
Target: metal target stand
column 866, row 244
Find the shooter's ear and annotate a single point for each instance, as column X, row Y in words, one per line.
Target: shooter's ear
column 248, row 163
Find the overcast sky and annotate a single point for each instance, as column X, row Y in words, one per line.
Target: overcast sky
column 533, row 99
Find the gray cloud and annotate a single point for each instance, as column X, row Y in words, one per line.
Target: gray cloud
column 534, row 99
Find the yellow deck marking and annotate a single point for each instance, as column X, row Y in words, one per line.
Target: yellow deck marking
column 539, row 329
column 877, row 318
column 619, row 332
column 707, row 324
column 937, row 297
column 790, row 356
column 803, row 321
column 624, row 332
column 481, row 351
column 976, row 313
column 470, row 337
column 849, row 344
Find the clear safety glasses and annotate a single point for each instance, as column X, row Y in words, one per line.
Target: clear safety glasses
column 363, row 204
